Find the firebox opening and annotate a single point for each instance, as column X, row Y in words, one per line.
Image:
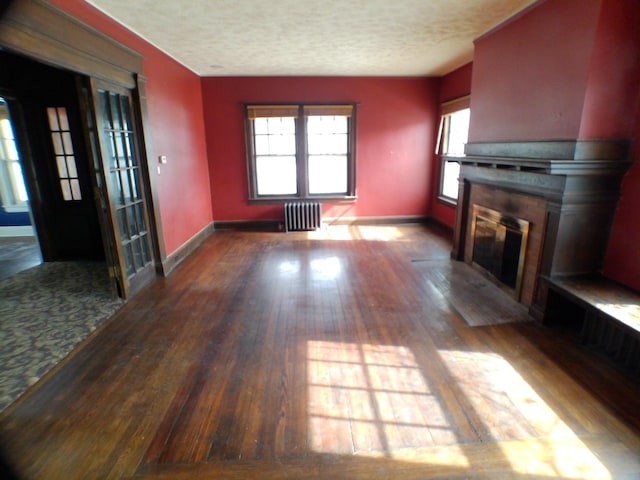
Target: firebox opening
column 499, row 246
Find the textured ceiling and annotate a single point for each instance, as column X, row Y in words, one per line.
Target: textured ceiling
column 313, row 37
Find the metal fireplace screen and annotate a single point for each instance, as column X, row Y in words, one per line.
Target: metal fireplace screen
column 499, row 246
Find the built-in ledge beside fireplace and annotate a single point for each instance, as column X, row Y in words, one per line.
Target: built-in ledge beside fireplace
column 552, row 202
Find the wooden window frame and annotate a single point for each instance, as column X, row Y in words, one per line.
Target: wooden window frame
column 446, row 110
column 300, row 111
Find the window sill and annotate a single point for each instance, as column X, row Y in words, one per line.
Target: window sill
column 15, row 208
column 450, row 202
column 279, row 200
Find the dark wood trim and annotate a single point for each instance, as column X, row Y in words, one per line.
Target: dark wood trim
column 436, row 222
column 251, row 225
column 462, row 213
column 148, row 159
column 44, row 32
column 278, row 225
column 602, row 150
column 172, row 261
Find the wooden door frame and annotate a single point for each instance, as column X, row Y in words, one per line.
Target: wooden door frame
column 45, row 33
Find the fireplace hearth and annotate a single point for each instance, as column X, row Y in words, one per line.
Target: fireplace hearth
column 531, row 209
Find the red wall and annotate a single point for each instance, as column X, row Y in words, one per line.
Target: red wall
column 395, row 137
column 622, row 262
column 620, row 44
column 453, row 85
column 612, row 89
column 174, row 100
column 530, row 75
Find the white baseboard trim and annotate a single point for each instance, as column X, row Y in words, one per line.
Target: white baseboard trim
column 15, row 231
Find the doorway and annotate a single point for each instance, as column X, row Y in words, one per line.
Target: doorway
column 103, row 84
column 19, row 249
column 43, row 108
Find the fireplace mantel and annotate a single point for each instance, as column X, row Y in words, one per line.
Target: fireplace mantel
column 575, row 182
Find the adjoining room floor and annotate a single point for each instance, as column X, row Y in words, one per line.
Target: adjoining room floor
column 45, row 312
column 18, row 254
column 352, row 352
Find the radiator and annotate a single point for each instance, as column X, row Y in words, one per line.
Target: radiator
column 302, row 216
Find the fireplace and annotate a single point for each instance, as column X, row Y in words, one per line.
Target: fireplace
column 531, row 209
column 499, row 246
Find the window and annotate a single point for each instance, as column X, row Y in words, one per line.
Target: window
column 63, row 152
column 13, row 192
column 301, row 151
column 454, row 128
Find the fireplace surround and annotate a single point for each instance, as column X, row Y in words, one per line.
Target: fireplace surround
column 565, row 191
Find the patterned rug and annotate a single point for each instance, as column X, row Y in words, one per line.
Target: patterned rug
column 45, row 312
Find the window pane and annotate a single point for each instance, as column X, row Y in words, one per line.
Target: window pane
column 276, row 175
column 260, row 126
column 115, row 111
column 126, row 248
column 126, row 185
column 66, row 190
column 140, row 218
column 57, row 143
column 104, row 108
column 116, row 186
column 328, row 144
column 18, row 182
column 262, row 145
column 62, row 115
column 134, row 183
column 450, row 179
column 327, row 124
column 327, row 174
column 133, row 222
column 126, row 113
column 137, row 254
column 458, row 132
column 280, row 125
column 75, row 189
column 53, row 118
column 123, row 224
column 282, row 145
column 145, row 249
column 71, row 167
column 128, row 150
column 62, row 167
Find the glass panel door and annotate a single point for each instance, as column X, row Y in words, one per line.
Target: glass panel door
column 123, row 170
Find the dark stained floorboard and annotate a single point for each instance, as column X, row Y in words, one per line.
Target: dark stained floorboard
column 340, row 354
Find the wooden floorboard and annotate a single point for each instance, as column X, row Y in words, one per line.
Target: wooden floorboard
column 340, row 353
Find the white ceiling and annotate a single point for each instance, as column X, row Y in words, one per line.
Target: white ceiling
column 313, row 37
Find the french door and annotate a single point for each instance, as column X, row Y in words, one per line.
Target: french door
column 123, row 170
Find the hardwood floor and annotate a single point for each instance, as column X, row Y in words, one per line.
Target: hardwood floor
column 18, row 254
column 346, row 353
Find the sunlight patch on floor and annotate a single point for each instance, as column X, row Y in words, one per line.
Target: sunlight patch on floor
column 383, row 233
column 372, row 400
column 512, row 411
